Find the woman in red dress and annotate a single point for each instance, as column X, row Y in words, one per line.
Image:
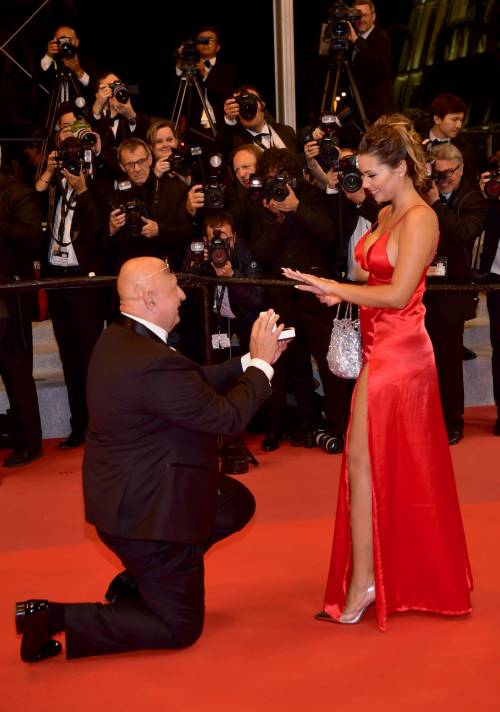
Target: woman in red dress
column 399, row 541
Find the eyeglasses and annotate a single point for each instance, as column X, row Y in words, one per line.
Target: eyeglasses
column 206, row 40
column 153, row 274
column 444, row 175
column 140, row 163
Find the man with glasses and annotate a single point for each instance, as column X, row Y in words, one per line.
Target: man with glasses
column 461, row 211
column 151, row 214
column 151, row 482
column 371, row 62
column 217, row 80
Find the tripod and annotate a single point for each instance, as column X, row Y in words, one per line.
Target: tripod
column 342, row 65
column 185, row 91
column 64, row 86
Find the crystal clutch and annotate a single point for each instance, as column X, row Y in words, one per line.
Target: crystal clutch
column 344, row 353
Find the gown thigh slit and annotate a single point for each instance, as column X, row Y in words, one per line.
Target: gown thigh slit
column 420, row 555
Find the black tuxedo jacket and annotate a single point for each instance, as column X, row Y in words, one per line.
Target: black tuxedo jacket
column 150, row 468
column 231, row 137
column 371, row 68
column 219, row 86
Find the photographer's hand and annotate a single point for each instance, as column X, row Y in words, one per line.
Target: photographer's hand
column 74, row 65
column 52, row 48
column 332, row 179
column 272, row 207
column 311, row 150
column 318, row 133
column 231, row 109
column 483, row 180
column 195, row 199
column 46, row 178
column 150, row 229
column 102, row 95
column 352, row 35
column 117, row 220
column 162, row 166
column 358, row 197
column 125, row 110
column 224, row 271
column 432, row 194
column 289, row 205
column 263, row 341
column 77, row 183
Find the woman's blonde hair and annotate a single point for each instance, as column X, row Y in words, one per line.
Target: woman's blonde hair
column 393, row 139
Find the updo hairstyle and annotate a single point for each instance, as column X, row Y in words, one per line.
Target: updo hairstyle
column 393, row 139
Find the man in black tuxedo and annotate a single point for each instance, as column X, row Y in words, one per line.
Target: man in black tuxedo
column 461, row 212
column 371, row 62
column 252, row 124
column 150, row 473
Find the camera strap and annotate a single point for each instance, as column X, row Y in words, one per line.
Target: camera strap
column 67, row 203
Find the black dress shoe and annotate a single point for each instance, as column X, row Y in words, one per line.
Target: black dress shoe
column 23, row 456
column 454, row 436
column 122, row 585
column 304, row 436
column 271, row 442
column 73, row 440
column 31, row 621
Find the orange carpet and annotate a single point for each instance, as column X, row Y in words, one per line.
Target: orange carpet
column 261, row 648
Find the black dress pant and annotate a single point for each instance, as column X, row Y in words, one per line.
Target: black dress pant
column 78, row 319
column 493, row 303
column 447, row 341
column 169, row 610
column 16, row 369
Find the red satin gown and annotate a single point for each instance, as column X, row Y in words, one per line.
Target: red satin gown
column 419, row 548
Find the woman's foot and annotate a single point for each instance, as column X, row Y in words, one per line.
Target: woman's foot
column 358, row 600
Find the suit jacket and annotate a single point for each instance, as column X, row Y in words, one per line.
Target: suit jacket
column 150, row 468
column 231, row 137
column 371, row 68
column 491, row 235
column 219, row 86
column 461, row 220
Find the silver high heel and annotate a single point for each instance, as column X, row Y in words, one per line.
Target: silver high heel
column 367, row 601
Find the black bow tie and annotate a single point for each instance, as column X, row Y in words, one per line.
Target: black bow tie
column 208, row 64
column 258, row 138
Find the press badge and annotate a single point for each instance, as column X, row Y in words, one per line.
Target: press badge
column 59, row 258
column 438, row 267
column 220, row 341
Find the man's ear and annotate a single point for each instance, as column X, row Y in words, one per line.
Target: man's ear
column 149, row 299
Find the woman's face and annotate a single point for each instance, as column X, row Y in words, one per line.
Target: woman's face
column 164, row 142
column 381, row 180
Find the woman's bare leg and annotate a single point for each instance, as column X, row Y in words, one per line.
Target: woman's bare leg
column 360, row 488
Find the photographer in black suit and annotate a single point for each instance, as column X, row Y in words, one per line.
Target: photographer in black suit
column 490, row 265
column 461, row 212
column 151, row 482
column 371, row 62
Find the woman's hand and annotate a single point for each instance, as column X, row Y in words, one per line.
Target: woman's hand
column 324, row 289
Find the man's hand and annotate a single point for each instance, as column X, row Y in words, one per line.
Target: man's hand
column 76, row 183
column 117, row 220
column 64, row 133
column 332, row 179
column 483, row 180
column 53, row 48
column 272, row 207
column 231, row 109
column 225, row 271
column 74, row 65
column 202, row 69
column 125, row 110
column 150, row 228
column 311, row 150
column 195, row 199
column 432, row 194
column 102, row 95
column 263, row 341
column 352, row 35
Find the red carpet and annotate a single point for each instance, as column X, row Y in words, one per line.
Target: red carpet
column 261, row 649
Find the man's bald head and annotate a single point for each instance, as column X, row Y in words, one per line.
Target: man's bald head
column 147, row 289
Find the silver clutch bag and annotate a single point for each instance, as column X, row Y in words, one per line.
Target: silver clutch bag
column 344, row 353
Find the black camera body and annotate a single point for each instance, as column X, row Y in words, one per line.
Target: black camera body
column 248, row 105
column 66, row 49
column 184, row 158
column 275, row 188
column 73, row 155
column 219, row 249
column 328, row 152
column 190, row 54
column 340, row 15
column 134, row 210
column 349, row 175
column 492, row 186
column 214, row 192
column 120, row 91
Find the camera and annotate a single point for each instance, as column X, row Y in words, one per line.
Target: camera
column 120, row 91
column 349, row 175
column 134, row 210
column 83, row 132
column 66, row 49
column 337, row 28
column 248, row 105
column 328, row 152
column 492, row 186
column 326, row 440
column 183, row 158
column 275, row 188
column 214, row 189
column 219, row 249
column 73, row 156
column 190, row 54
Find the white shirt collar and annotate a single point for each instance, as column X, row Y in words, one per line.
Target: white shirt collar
column 161, row 333
column 366, row 34
column 432, row 137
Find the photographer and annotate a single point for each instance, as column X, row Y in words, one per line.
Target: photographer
column 150, row 214
column 490, row 266
column 298, row 232
column 75, row 180
column 20, row 243
column 371, row 61
column 461, row 212
column 217, row 78
column 114, row 117
column 246, row 121
column 63, row 55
